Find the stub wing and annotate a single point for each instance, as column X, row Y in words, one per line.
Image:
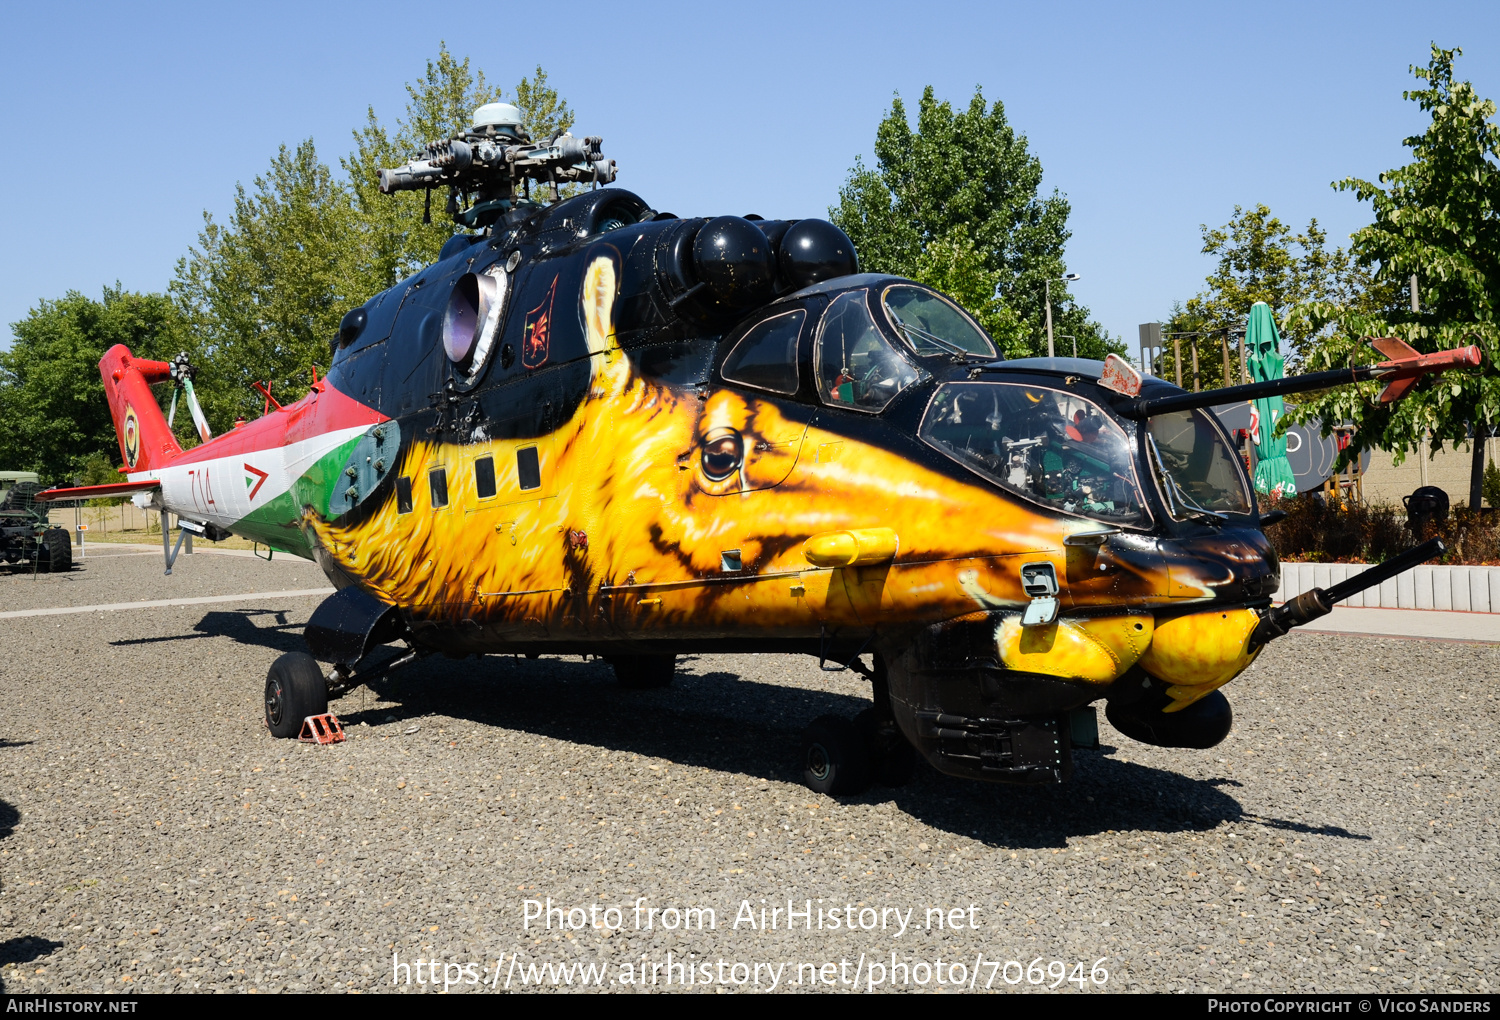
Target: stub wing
column 97, row 491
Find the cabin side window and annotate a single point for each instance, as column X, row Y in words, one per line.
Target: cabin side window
column 437, row 478
column 528, row 468
column 766, row 357
column 484, row 477
column 403, row 495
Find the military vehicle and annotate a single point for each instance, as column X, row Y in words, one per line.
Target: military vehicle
column 26, row 536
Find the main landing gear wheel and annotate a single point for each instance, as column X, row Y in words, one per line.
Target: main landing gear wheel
column 295, row 689
column 835, row 756
column 643, row 672
column 893, row 761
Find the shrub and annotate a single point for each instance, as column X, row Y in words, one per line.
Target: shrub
column 1322, row 530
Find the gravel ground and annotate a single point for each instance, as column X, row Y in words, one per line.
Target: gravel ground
column 154, row 837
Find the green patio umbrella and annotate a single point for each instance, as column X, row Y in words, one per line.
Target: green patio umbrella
column 1273, row 474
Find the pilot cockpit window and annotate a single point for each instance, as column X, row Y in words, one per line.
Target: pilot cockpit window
column 932, row 324
column 1049, row 446
column 857, row 366
column 766, row 357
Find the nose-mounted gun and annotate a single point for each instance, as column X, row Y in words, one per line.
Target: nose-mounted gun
column 490, row 168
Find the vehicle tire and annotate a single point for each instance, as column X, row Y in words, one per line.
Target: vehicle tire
column 55, row 555
column 295, row 689
column 835, row 756
column 643, row 672
column 893, row 761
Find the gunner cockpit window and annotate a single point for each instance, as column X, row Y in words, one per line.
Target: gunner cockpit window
column 857, row 366
column 1049, row 446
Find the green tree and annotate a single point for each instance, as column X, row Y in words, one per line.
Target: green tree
column 545, row 113
column 1438, row 218
column 961, row 190
column 1259, row 259
column 265, row 291
column 53, row 415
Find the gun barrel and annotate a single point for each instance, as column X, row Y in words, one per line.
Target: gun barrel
column 1317, row 602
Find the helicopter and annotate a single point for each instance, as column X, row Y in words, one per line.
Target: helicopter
column 591, row 427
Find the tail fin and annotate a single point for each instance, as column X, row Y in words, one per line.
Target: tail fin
column 146, row 443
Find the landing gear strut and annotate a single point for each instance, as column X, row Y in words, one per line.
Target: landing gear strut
column 843, row 756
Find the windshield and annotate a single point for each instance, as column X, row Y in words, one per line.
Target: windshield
column 932, row 324
column 1049, row 446
column 1196, row 468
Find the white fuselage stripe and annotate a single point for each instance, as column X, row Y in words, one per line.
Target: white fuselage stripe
column 215, row 491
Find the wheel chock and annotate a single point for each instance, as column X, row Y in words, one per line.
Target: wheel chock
column 321, row 729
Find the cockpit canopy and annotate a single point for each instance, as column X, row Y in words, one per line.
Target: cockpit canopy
column 1198, row 473
column 934, row 325
column 868, row 343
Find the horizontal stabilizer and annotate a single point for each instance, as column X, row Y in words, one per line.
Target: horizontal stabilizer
column 97, row 491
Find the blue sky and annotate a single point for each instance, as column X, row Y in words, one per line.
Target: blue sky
column 126, row 122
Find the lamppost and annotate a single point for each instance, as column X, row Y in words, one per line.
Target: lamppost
column 1066, row 278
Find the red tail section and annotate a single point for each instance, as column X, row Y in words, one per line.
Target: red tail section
column 146, row 442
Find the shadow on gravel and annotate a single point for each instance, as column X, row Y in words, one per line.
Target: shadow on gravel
column 24, row 949
column 712, row 720
column 1104, row 794
column 238, row 626
column 9, row 816
column 716, row 720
